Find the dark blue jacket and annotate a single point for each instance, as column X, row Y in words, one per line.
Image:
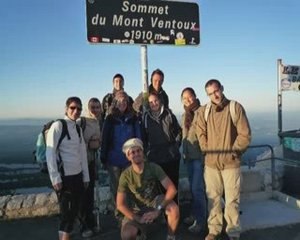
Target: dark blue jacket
column 116, row 131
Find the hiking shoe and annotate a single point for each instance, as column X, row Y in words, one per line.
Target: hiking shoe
column 195, row 227
column 96, row 229
column 211, row 237
column 189, row 220
column 87, row 233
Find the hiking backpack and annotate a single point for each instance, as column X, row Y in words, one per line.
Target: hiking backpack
column 231, row 110
column 40, row 152
column 41, row 143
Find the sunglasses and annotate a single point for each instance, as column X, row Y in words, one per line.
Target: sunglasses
column 74, row 107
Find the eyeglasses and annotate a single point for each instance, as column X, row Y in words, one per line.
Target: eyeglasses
column 214, row 92
column 74, row 107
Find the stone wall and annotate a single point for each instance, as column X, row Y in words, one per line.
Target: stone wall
column 41, row 204
column 25, row 206
column 45, row 204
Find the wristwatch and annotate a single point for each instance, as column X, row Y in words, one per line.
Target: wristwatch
column 159, row 207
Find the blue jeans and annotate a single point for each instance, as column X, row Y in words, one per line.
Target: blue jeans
column 114, row 173
column 199, row 205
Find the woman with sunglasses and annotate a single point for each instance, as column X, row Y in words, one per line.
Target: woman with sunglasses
column 67, row 165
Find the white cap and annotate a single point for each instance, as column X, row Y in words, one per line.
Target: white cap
column 133, row 142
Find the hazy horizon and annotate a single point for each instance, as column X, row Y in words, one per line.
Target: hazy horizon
column 45, row 56
column 289, row 118
column 18, row 136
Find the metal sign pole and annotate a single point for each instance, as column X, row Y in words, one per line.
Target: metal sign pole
column 279, row 99
column 144, row 61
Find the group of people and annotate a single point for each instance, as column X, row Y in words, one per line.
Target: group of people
column 140, row 149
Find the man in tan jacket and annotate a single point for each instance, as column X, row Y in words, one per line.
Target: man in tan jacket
column 222, row 140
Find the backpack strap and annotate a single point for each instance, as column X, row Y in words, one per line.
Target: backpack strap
column 64, row 132
column 232, row 111
column 78, row 131
column 45, row 129
column 207, row 110
column 82, row 124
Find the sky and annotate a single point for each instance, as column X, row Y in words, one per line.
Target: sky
column 45, row 56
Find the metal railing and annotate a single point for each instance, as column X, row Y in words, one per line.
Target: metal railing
column 286, row 161
column 272, row 158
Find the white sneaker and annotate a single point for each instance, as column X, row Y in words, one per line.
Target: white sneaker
column 87, row 233
column 195, row 227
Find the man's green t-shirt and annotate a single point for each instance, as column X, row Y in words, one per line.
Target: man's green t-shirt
column 142, row 188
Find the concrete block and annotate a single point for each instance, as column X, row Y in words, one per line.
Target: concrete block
column 252, row 181
column 286, row 199
column 4, row 200
column 15, row 202
column 29, row 201
column 255, row 196
column 41, row 199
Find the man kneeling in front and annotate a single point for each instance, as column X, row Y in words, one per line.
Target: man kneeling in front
column 139, row 197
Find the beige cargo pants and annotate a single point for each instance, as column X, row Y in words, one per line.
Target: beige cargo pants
column 227, row 182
